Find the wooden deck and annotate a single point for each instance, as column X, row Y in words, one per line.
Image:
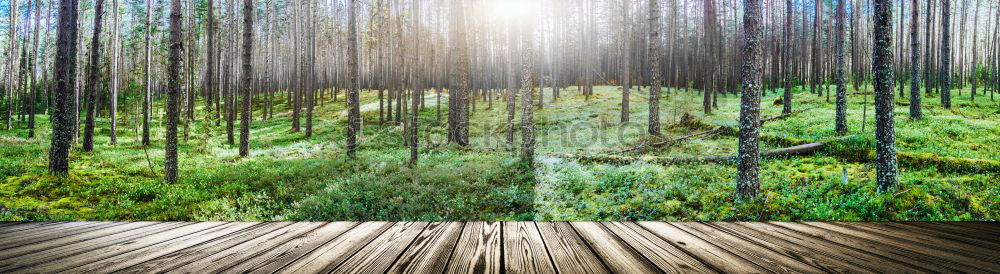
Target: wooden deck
column 495, row 247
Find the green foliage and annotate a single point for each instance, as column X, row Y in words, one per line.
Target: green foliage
column 949, row 167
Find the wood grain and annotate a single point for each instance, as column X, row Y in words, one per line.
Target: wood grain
column 431, row 250
column 478, row 249
column 523, row 249
column 569, row 253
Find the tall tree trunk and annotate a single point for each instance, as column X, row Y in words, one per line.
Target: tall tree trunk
column 786, row 108
column 93, row 77
column 148, row 96
column 975, row 52
column 248, row 11
column 173, row 91
column 414, row 85
column 115, row 57
column 354, row 110
column 65, row 78
column 626, row 45
column 34, row 78
column 527, row 114
column 915, row 112
column 945, row 54
column 841, row 70
column 11, row 61
column 654, row 67
column 210, row 77
column 459, row 79
column 885, row 133
column 748, row 178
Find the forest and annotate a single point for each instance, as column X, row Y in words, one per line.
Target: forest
column 555, row 110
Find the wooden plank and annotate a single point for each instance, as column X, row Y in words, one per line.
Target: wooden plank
column 112, row 255
column 853, row 256
column 703, row 250
column 19, row 226
column 431, row 250
column 40, row 230
column 616, row 255
column 790, row 249
column 899, row 254
column 69, row 240
column 664, row 255
column 222, row 261
column 382, row 252
column 990, row 229
column 931, row 239
column 49, row 261
column 43, row 252
column 202, row 252
column 153, row 251
column 964, row 263
column 749, row 250
column 68, row 231
column 478, row 249
column 569, row 253
column 282, row 251
column 327, row 257
column 523, row 249
column 958, row 233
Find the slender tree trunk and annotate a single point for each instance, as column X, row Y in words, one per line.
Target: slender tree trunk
column 34, row 78
column 93, row 78
column 148, row 97
column 748, row 179
column 173, row 91
column 946, row 53
column 248, row 11
column 654, row 67
column 65, row 78
column 414, row 85
column 527, row 114
column 786, row 108
column 115, row 58
column 841, row 70
column 11, row 61
column 354, row 110
column 210, row 77
column 626, row 45
column 885, row 134
column 915, row 112
column 975, row 52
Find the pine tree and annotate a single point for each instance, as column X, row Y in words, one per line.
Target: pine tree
column 173, row 91
column 353, row 109
column 246, row 74
column 654, row 67
column 885, row 133
column 748, row 177
column 946, row 53
column 915, row 112
column 93, row 77
column 65, row 80
column 841, row 70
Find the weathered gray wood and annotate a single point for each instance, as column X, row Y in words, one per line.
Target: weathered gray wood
column 569, row 253
column 135, row 256
column 331, row 254
column 704, row 251
column 662, row 254
column 857, row 257
column 790, row 249
column 941, row 241
column 478, row 249
column 523, row 249
column 76, row 247
column 93, row 236
column 770, row 259
column 282, row 251
column 49, row 234
column 59, row 263
column 431, row 250
column 961, row 263
column 617, row 255
column 194, row 254
column 378, row 256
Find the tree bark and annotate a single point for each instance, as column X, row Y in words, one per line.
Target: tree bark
column 748, row 178
column 654, row 67
column 93, row 77
column 841, row 70
column 885, row 135
column 65, row 78
column 915, row 112
column 247, row 69
column 945, row 54
column 173, row 91
column 354, row 110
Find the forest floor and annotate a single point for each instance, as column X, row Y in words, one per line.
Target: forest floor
column 949, row 166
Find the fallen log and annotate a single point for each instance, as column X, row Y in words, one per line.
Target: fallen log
column 798, row 150
column 674, row 140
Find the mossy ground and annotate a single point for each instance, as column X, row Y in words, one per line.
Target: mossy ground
column 290, row 177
